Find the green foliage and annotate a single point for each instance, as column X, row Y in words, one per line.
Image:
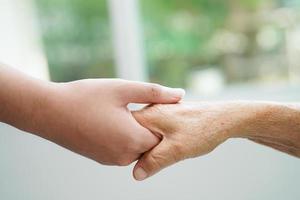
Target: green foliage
column 177, row 34
column 77, row 38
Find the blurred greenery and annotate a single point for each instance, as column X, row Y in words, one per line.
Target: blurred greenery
column 181, row 37
column 176, row 34
column 77, row 38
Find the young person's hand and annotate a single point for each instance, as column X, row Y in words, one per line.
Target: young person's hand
column 89, row 117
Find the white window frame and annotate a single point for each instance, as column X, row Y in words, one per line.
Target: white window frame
column 127, row 39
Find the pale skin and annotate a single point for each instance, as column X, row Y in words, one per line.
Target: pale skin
column 189, row 130
column 89, row 117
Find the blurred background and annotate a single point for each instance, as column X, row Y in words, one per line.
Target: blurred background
column 215, row 49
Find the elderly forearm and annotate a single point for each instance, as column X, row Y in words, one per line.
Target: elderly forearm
column 274, row 124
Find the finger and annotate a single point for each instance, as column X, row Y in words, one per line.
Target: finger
column 149, row 121
column 139, row 92
column 148, row 139
column 143, row 139
column 155, row 160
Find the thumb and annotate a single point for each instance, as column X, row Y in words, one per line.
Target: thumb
column 139, row 92
column 155, row 160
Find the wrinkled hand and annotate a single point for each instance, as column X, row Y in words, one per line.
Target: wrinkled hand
column 90, row 117
column 187, row 130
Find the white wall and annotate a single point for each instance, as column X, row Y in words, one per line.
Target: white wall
column 127, row 39
column 20, row 44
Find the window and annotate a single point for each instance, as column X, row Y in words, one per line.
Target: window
column 209, row 45
column 77, row 38
column 204, row 46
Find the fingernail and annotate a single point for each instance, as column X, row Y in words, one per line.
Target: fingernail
column 178, row 92
column 140, row 174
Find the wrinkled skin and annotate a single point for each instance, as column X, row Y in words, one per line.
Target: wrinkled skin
column 188, row 130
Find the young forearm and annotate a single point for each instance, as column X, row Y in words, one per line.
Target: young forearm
column 21, row 98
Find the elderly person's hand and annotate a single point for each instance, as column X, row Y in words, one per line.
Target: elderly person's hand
column 189, row 130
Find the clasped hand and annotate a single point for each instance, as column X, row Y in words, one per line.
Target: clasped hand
column 189, row 130
column 186, row 130
column 90, row 117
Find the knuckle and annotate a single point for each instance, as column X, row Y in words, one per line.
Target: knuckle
column 155, row 90
column 158, row 160
column 155, row 160
column 177, row 152
column 151, row 112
